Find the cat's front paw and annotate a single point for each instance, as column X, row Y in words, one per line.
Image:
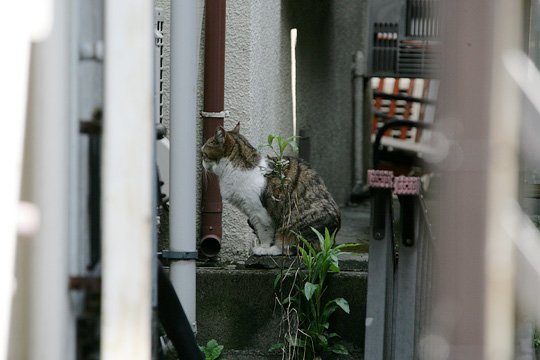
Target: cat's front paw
column 259, row 250
column 262, row 250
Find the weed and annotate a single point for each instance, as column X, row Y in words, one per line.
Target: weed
column 277, row 160
column 306, row 315
column 212, row 350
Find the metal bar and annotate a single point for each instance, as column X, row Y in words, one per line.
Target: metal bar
column 407, row 297
column 362, row 138
column 404, row 342
column 383, row 95
column 380, row 274
column 128, row 170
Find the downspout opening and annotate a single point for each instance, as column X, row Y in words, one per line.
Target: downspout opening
column 210, row 245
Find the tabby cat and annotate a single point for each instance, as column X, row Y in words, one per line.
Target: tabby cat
column 278, row 207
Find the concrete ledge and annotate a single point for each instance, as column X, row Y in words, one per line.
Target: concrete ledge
column 347, row 262
column 238, row 309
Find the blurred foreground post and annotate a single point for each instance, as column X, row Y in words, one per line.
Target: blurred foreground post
column 472, row 313
column 127, row 180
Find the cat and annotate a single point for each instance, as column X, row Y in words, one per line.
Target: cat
column 278, row 207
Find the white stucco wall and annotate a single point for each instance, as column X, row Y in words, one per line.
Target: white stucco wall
column 257, row 92
column 258, row 86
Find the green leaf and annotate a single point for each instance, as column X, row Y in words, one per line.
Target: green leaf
column 329, row 310
column 323, row 340
column 289, row 299
column 339, row 349
column 326, row 325
column 276, row 346
column 294, row 146
column 342, row 303
column 333, row 335
column 334, row 268
column 353, row 247
column 277, row 280
column 270, row 139
column 305, row 257
column 328, row 240
column 308, row 245
column 310, row 289
column 212, row 350
column 320, row 237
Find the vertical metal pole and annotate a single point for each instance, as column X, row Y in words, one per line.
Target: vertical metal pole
column 185, row 34
column 379, row 304
column 407, row 282
column 128, row 170
column 49, row 139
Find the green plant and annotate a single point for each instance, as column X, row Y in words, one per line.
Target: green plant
column 306, row 313
column 276, row 159
column 212, row 350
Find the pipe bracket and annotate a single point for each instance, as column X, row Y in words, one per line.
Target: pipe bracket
column 209, row 114
column 178, row 255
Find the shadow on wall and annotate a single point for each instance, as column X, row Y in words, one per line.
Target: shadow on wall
column 329, row 32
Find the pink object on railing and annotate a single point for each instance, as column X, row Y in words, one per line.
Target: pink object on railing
column 407, row 185
column 381, row 179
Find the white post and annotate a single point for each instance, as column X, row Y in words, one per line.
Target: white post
column 48, row 164
column 13, row 95
column 502, row 185
column 185, row 37
column 127, row 180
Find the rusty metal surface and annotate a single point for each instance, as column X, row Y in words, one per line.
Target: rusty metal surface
column 214, row 82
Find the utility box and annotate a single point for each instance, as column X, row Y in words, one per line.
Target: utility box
column 404, row 38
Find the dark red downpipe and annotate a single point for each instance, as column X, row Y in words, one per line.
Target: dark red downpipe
column 214, row 93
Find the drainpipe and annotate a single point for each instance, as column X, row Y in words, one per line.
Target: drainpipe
column 213, row 115
column 185, row 32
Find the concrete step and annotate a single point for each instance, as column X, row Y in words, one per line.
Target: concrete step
column 237, row 307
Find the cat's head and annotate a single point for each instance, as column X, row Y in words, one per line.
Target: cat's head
column 214, row 149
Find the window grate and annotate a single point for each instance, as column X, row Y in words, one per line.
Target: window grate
column 404, row 38
column 159, row 21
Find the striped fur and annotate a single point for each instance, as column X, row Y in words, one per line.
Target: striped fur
column 277, row 209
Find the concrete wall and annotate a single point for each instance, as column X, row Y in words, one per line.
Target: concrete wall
column 329, row 32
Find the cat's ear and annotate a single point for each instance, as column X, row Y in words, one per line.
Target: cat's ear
column 220, row 135
column 236, row 128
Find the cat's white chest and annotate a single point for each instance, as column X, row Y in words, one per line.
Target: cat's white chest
column 241, row 187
